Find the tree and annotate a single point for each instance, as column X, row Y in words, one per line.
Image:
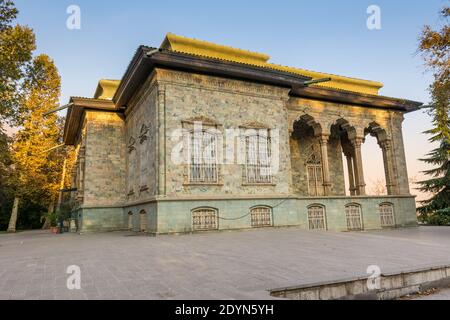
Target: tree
column 378, row 187
column 435, row 47
column 17, row 44
column 37, row 171
column 5, row 173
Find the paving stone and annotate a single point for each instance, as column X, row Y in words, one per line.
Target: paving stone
column 233, row 265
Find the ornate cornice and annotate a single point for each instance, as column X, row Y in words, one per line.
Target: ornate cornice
column 214, row 83
column 254, row 125
column 201, row 119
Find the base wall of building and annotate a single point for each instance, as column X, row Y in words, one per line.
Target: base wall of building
column 175, row 216
column 99, row 219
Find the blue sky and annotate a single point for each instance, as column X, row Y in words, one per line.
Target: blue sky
column 322, row 35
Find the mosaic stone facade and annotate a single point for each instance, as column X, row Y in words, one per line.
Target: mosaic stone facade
column 127, row 180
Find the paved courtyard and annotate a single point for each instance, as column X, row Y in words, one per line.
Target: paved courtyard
column 227, row 265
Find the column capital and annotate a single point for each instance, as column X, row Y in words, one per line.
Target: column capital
column 385, row 144
column 357, row 141
column 323, row 138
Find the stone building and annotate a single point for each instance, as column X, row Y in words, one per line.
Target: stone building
column 197, row 136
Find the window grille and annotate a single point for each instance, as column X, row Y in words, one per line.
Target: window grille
column 316, row 218
column 354, row 219
column 204, row 220
column 203, row 157
column 387, row 215
column 261, row 217
column 258, row 167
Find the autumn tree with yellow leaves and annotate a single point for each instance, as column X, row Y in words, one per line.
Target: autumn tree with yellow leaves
column 37, row 165
column 30, row 165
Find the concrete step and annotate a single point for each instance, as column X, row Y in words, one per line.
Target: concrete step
column 387, row 286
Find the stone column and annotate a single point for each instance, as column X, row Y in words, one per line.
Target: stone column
column 351, row 175
column 325, row 164
column 359, row 172
column 391, row 184
column 161, row 141
column 398, row 154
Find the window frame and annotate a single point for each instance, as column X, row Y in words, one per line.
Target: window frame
column 360, row 217
column 214, row 211
column 259, row 226
column 324, row 217
column 319, row 190
column 259, row 180
column 391, row 205
column 190, row 155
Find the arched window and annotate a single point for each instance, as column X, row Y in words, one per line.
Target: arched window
column 203, row 157
column 387, row 215
column 205, row 219
column 143, row 221
column 261, row 217
column 130, row 220
column 354, row 217
column 315, row 177
column 317, row 218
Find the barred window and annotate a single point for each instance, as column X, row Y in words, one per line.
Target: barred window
column 387, row 215
column 261, row 217
column 203, row 157
column 353, row 216
column 204, row 220
column 316, row 218
column 258, row 158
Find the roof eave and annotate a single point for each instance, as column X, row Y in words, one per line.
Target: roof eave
column 353, row 98
column 75, row 114
column 141, row 66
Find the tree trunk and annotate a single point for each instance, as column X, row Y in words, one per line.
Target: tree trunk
column 61, row 187
column 51, row 208
column 14, row 213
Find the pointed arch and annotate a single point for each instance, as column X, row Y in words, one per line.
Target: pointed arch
column 143, row 221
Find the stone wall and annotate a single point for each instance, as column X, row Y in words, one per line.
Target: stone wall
column 175, row 216
column 230, row 104
column 129, row 169
column 104, row 180
column 141, row 139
